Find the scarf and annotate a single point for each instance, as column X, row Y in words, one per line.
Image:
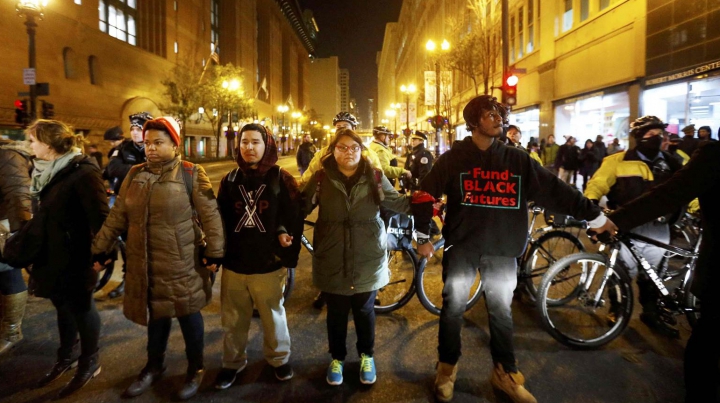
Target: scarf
column 45, row 170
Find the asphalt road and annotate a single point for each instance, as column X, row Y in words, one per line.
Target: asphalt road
column 637, row 367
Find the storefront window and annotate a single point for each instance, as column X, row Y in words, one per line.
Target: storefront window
column 695, row 102
column 529, row 123
column 605, row 114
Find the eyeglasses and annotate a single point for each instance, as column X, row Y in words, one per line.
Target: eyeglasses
column 352, row 149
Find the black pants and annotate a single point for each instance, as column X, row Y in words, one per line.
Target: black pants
column 702, row 352
column 363, row 309
column 11, row 282
column 193, row 329
column 77, row 316
column 499, row 278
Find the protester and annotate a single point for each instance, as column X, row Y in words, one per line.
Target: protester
column 549, row 154
column 350, row 261
column 614, row 147
column 71, row 206
column 260, row 208
column 15, row 211
column 568, row 161
column 305, row 153
column 699, row 178
column 163, row 204
column 464, row 174
column 589, row 161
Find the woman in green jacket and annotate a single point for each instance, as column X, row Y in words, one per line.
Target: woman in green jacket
column 350, row 260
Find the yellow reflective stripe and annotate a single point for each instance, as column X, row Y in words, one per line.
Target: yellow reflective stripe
column 634, row 169
column 684, row 156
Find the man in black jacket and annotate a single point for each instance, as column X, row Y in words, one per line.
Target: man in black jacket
column 305, row 154
column 128, row 153
column 700, row 178
column 420, row 161
column 488, row 185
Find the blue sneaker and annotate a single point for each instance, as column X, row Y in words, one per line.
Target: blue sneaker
column 335, row 373
column 367, row 370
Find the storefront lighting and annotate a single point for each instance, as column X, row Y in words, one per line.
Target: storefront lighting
column 569, row 107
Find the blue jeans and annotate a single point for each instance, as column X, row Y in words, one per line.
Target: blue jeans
column 192, row 327
column 499, row 279
column 11, row 280
column 363, row 310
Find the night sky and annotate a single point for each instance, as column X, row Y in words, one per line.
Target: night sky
column 353, row 30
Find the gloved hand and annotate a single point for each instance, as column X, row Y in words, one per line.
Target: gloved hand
column 212, row 263
column 100, row 260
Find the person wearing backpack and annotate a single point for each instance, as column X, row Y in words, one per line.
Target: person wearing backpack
column 350, row 260
column 169, row 211
column 260, row 208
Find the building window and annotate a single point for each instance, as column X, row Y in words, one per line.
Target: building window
column 117, row 19
column 521, row 34
column 584, row 9
column 512, row 38
column 176, row 47
column 215, row 21
column 69, row 63
column 567, row 16
column 531, row 27
column 604, row 4
column 93, row 68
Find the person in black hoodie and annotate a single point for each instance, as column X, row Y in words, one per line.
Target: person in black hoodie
column 589, row 161
column 260, row 208
column 488, row 185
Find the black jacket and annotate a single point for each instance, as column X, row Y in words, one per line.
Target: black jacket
column 568, row 157
column 75, row 206
column 700, row 178
column 15, row 169
column 689, row 144
column 589, row 161
column 419, row 163
column 487, row 194
column 305, row 153
column 121, row 159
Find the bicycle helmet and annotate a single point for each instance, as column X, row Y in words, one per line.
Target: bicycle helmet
column 641, row 125
column 345, row 117
column 378, row 130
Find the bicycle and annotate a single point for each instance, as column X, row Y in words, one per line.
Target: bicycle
column 600, row 303
column 545, row 246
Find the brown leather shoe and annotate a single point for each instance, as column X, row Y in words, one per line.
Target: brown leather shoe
column 445, row 381
column 512, row 384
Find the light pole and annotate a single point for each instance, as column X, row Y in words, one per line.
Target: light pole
column 431, row 47
column 282, row 109
column 31, row 9
column 407, row 90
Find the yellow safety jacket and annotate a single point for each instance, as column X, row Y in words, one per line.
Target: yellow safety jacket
column 316, row 163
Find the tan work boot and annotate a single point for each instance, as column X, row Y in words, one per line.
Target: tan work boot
column 512, row 384
column 13, row 310
column 445, row 381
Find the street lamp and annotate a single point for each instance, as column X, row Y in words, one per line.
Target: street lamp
column 431, row 47
column 407, row 90
column 31, row 9
column 282, row 109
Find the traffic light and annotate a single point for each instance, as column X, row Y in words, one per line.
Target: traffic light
column 21, row 112
column 509, row 89
column 48, row 110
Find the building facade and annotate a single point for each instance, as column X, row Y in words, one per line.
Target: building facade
column 345, row 90
column 106, row 59
column 325, row 88
column 586, row 67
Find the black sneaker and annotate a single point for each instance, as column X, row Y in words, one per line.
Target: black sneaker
column 284, row 372
column 226, row 377
column 655, row 322
column 319, row 301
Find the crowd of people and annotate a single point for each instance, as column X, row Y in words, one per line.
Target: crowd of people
column 61, row 227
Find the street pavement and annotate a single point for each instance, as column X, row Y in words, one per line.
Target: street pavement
column 639, row 366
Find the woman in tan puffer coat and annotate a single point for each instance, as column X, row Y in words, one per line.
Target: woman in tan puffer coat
column 165, row 276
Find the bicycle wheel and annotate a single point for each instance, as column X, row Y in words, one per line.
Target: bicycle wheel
column 543, row 253
column 429, row 285
column 400, row 289
column 600, row 310
column 692, row 303
column 289, row 283
column 104, row 276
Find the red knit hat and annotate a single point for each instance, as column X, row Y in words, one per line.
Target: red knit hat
column 168, row 124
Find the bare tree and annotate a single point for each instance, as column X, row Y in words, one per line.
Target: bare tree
column 487, row 28
column 222, row 92
column 182, row 94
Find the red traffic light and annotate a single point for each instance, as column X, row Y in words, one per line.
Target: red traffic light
column 512, row 80
column 18, row 104
column 509, row 89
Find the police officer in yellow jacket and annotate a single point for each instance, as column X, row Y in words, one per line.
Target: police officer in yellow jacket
column 388, row 162
column 624, row 176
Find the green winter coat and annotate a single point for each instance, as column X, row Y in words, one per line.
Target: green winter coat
column 550, row 154
column 349, row 238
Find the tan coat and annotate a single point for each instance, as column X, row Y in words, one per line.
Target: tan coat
column 164, row 275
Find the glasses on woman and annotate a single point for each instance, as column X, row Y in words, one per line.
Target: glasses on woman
column 353, row 149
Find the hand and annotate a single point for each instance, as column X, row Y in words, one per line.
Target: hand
column 285, row 240
column 609, row 227
column 212, row 263
column 426, row 250
column 100, row 261
column 408, row 174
